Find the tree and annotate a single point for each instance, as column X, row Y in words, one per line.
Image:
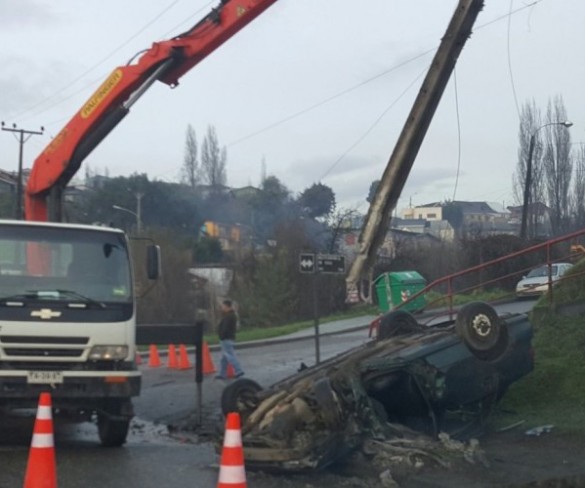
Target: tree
column 372, row 192
column 578, row 200
column 558, row 165
column 190, row 169
column 318, row 200
column 213, row 160
column 453, row 214
column 530, row 122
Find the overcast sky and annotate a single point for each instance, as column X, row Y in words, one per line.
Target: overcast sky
column 296, row 55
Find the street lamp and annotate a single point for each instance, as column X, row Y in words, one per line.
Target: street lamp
column 528, row 179
column 138, row 219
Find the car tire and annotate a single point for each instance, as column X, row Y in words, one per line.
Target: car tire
column 240, row 396
column 480, row 327
column 397, row 323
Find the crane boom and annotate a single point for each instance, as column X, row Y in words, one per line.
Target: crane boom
column 165, row 61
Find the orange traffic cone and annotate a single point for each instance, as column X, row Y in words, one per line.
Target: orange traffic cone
column 184, row 362
column 41, row 470
column 208, row 367
column 230, row 373
column 172, row 361
column 154, row 358
column 232, row 473
column 138, row 359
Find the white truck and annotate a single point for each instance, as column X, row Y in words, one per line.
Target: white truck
column 68, row 321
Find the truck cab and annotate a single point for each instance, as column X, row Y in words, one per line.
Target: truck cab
column 68, row 322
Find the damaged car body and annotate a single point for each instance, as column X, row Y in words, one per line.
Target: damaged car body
column 411, row 378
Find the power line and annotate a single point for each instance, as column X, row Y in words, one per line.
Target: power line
column 510, row 71
column 458, row 133
column 89, row 70
column 376, row 122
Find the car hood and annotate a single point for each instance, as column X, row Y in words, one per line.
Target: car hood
column 539, row 280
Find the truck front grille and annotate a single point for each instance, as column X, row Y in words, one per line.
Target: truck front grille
column 42, row 352
column 12, row 339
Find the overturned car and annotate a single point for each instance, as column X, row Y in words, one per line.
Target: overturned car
column 427, row 379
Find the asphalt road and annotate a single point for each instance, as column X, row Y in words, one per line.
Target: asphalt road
column 152, row 457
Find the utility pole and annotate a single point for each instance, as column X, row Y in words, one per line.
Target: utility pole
column 139, row 196
column 19, row 213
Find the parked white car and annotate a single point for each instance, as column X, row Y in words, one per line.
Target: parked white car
column 536, row 282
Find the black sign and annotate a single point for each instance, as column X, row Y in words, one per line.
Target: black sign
column 307, row 263
column 330, row 263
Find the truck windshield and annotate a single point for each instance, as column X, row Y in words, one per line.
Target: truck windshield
column 55, row 263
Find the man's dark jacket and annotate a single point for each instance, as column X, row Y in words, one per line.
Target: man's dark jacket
column 227, row 326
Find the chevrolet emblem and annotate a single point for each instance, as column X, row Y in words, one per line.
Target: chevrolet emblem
column 45, row 314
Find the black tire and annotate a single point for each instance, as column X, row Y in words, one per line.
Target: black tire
column 397, row 323
column 240, row 396
column 325, row 398
column 481, row 329
column 112, row 433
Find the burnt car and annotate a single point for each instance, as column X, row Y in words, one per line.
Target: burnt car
column 428, row 379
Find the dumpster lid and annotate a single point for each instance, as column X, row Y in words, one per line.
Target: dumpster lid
column 402, row 277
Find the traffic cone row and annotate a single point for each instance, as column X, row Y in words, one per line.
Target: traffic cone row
column 182, row 361
column 232, row 473
column 41, row 471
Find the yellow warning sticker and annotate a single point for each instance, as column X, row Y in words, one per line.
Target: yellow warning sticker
column 101, row 93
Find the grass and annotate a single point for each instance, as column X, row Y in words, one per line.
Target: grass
column 437, row 300
column 555, row 392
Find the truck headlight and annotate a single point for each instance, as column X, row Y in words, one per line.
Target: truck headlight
column 111, row 353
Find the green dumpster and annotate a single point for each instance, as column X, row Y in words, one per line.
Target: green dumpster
column 396, row 287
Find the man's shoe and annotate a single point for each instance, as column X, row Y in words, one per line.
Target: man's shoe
column 239, row 375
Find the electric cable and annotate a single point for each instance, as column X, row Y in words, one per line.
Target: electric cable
column 458, row 133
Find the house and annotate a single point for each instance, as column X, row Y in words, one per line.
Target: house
column 465, row 217
column 538, row 219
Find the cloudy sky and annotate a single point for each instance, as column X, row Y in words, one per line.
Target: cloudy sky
column 319, row 89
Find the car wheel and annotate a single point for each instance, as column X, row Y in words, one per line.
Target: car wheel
column 240, row 396
column 481, row 329
column 397, row 323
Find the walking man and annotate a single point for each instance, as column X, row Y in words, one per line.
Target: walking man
column 227, row 335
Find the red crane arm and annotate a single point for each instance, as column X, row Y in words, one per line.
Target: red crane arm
column 165, row 61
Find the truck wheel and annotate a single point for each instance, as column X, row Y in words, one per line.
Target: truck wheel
column 397, row 323
column 481, row 329
column 112, row 433
column 240, row 396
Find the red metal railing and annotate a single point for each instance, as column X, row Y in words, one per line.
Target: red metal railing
column 448, row 283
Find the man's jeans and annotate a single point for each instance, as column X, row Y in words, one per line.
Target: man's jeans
column 228, row 355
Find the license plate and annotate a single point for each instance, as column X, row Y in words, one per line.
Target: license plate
column 45, row 377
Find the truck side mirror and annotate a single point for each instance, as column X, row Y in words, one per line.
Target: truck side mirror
column 153, row 262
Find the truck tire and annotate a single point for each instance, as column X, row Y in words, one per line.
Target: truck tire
column 481, row 329
column 112, row 433
column 240, row 396
column 397, row 323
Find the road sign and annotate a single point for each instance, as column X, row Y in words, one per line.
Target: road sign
column 306, row 263
column 331, row 263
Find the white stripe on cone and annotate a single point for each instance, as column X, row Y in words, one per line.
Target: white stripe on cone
column 42, row 440
column 232, row 438
column 232, row 474
column 44, row 413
